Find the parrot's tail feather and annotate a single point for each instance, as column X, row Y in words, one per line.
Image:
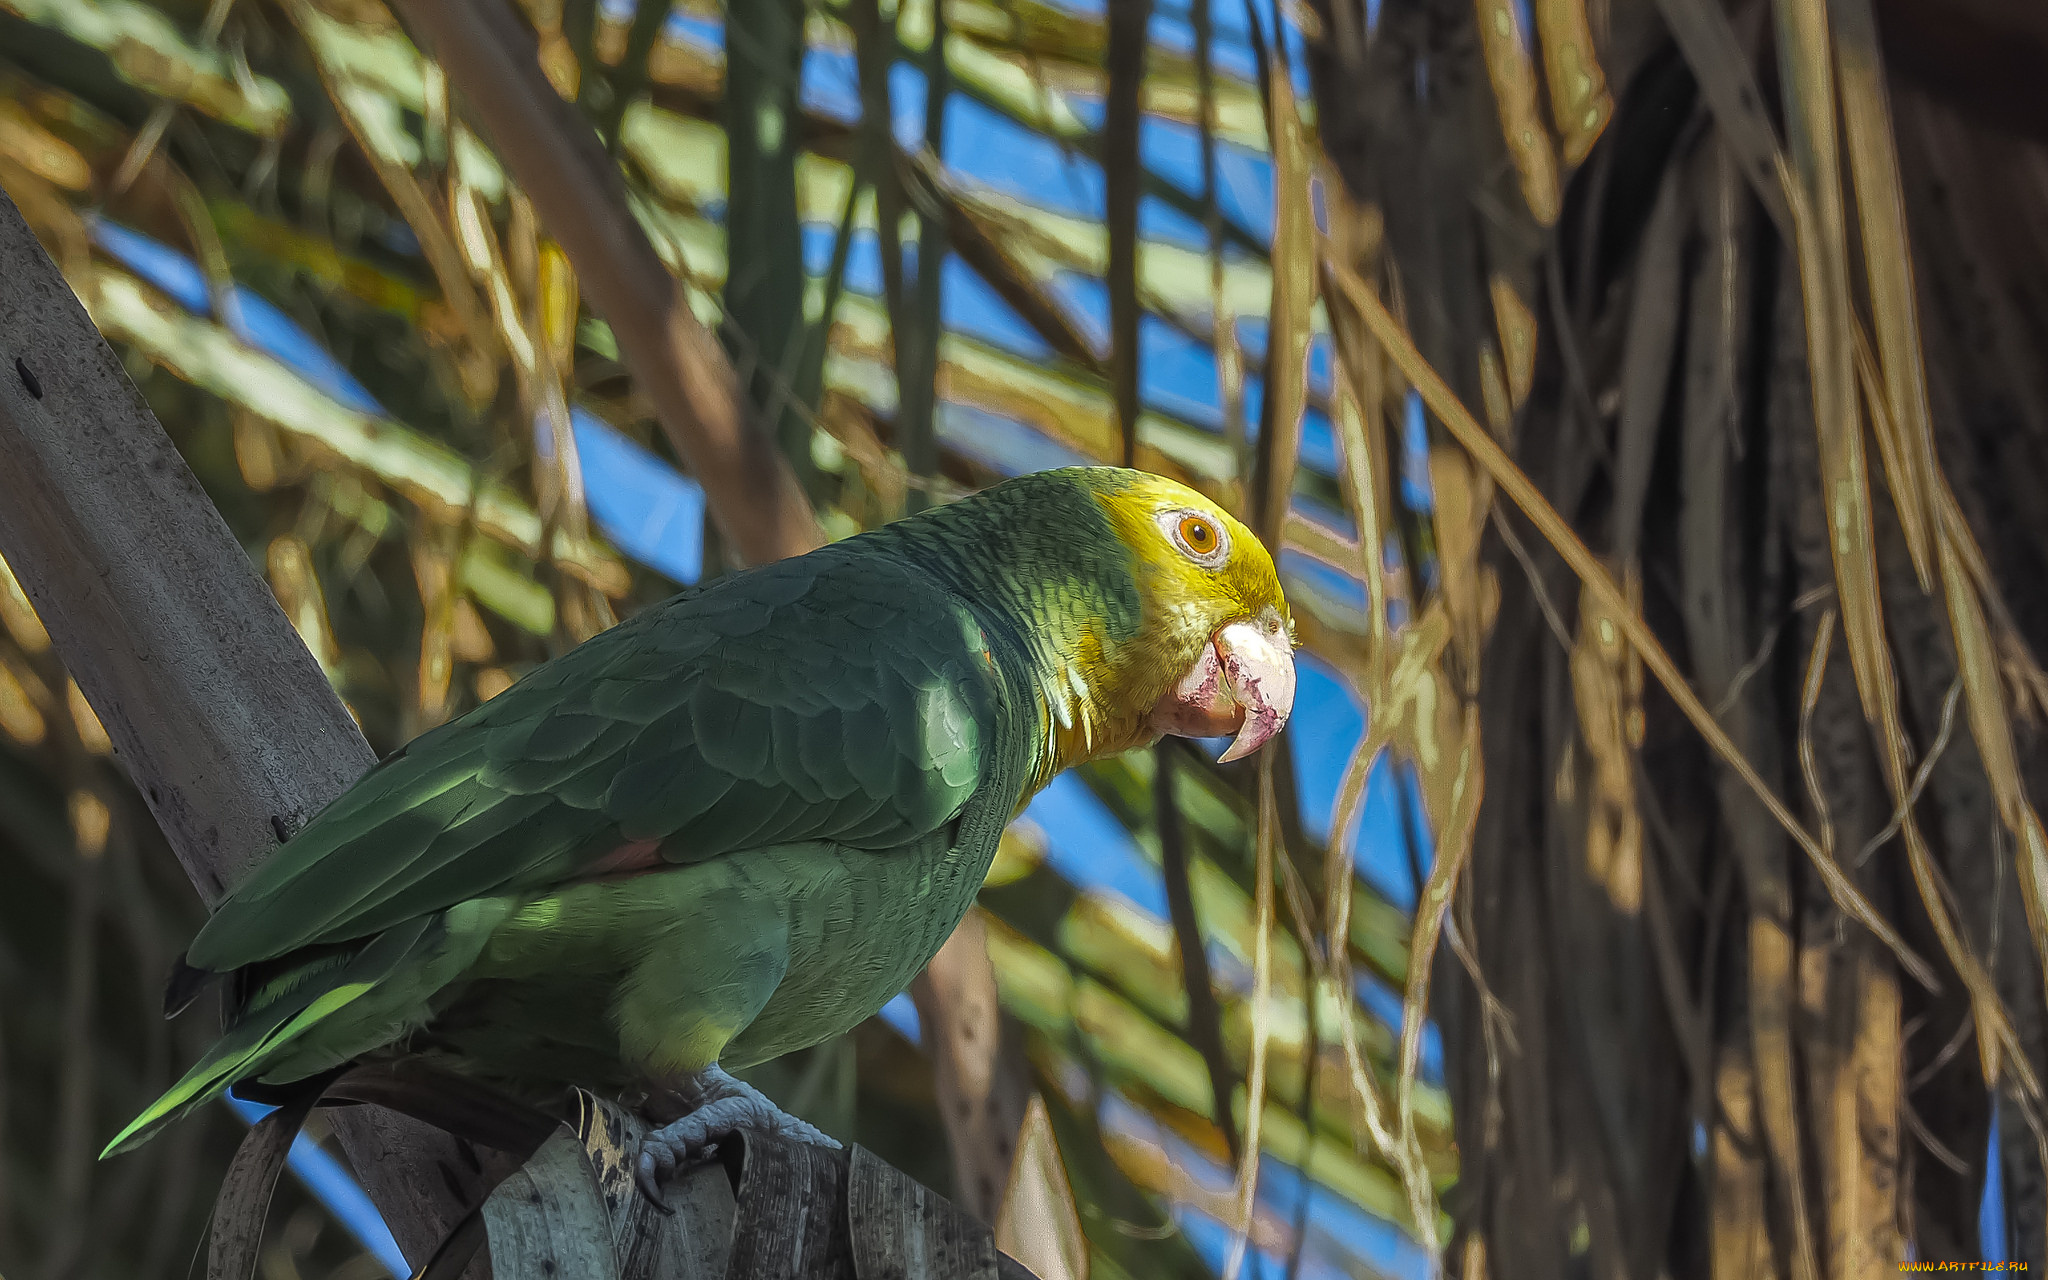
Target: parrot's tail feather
column 266, row 1031
column 184, row 986
column 242, row 1052
column 236, row 1056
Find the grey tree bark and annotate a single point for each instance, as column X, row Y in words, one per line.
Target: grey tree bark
column 224, row 721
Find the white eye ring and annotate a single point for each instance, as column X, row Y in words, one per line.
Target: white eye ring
column 1197, row 535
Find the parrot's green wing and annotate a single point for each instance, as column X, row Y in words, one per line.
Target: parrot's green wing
column 841, row 696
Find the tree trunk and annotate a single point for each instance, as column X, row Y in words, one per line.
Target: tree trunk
column 1704, row 1068
column 227, row 726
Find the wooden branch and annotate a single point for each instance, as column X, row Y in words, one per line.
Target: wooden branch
column 1122, row 169
column 244, row 1200
column 770, row 1209
column 557, row 159
column 978, row 1072
column 224, row 721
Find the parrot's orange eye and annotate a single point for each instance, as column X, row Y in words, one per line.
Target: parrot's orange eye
column 1198, row 536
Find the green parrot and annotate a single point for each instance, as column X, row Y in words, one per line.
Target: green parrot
column 738, row 823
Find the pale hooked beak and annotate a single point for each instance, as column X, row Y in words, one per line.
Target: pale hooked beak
column 1243, row 684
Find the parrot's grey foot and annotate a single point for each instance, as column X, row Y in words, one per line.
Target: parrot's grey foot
column 723, row 1107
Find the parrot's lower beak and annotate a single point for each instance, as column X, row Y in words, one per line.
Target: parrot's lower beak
column 1243, row 684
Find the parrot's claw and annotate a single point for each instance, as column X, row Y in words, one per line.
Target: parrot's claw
column 725, row 1106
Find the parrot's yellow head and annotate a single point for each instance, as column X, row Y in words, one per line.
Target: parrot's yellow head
column 1212, row 652
column 1139, row 607
column 1145, row 608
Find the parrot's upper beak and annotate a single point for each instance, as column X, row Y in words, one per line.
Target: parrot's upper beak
column 1243, row 684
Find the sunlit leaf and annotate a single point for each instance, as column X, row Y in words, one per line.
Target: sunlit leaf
column 1039, row 1224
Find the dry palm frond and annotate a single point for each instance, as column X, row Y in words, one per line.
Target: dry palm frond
column 1813, row 183
column 1495, row 462
column 1514, row 90
column 1579, row 100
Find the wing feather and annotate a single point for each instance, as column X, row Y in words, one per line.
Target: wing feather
column 840, row 696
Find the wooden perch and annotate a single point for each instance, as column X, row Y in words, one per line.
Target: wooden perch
column 768, row 1209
